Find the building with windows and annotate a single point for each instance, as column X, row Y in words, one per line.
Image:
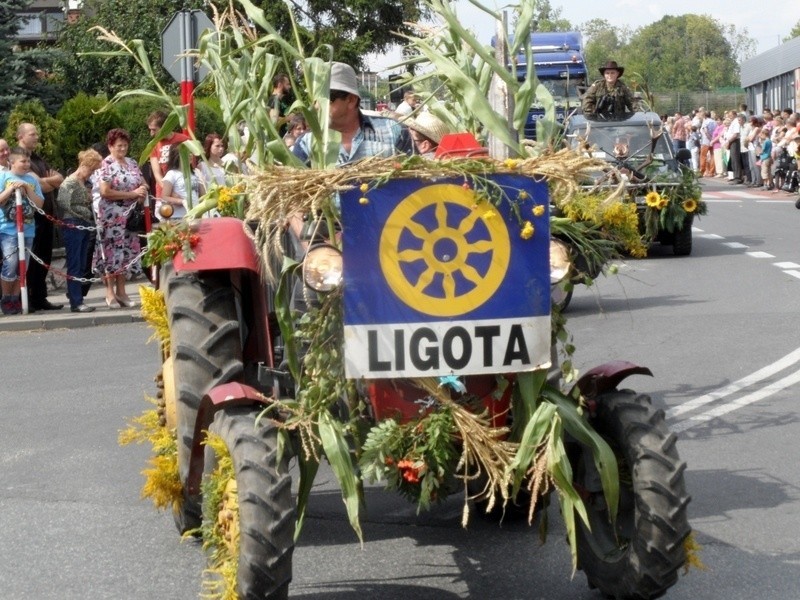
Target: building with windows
column 772, row 79
column 40, row 22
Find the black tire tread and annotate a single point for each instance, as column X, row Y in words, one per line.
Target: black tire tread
column 266, row 507
column 682, row 242
column 649, row 566
column 207, row 352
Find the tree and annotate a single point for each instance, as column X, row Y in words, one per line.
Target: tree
column 351, row 28
column 50, row 130
column 547, row 18
column 742, row 45
column 13, row 65
column 795, row 32
column 604, row 42
column 688, row 52
column 132, row 19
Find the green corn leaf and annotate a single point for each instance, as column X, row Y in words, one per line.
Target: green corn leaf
column 561, row 472
column 579, row 428
column 532, row 437
column 338, row 453
column 284, row 314
column 529, row 385
column 308, row 472
column 568, row 514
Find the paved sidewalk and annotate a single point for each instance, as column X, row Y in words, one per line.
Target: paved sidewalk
column 66, row 319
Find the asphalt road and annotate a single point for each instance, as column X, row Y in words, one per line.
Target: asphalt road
column 719, row 329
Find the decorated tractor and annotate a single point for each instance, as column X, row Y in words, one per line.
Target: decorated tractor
column 408, row 342
column 394, row 319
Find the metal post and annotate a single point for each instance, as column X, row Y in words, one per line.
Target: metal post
column 499, row 98
column 187, row 68
column 23, row 285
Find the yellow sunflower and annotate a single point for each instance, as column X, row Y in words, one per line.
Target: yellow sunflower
column 652, row 199
column 662, row 203
column 690, row 205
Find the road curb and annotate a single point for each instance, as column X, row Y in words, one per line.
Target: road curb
column 67, row 320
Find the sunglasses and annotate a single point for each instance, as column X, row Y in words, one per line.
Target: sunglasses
column 337, row 95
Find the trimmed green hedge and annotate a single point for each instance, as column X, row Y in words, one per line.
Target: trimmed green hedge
column 85, row 120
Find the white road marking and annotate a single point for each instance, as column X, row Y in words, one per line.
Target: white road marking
column 733, row 405
column 745, row 382
column 790, row 359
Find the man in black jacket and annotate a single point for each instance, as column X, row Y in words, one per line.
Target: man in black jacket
column 49, row 179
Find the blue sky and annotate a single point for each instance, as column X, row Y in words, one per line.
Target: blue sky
column 767, row 27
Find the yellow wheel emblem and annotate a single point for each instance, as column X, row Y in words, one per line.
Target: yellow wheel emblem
column 441, row 256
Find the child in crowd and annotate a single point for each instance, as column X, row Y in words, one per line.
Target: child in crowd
column 693, row 144
column 765, row 158
column 18, row 177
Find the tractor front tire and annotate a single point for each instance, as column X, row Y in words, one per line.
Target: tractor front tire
column 206, row 350
column 263, row 513
column 638, row 558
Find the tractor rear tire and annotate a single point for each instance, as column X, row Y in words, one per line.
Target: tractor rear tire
column 207, row 352
column 266, row 512
column 639, row 557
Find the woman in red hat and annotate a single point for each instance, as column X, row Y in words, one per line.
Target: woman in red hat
column 608, row 97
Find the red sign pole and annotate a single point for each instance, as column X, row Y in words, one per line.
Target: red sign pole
column 187, row 69
column 23, row 265
column 187, row 99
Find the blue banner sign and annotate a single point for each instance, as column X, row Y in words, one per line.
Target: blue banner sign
column 439, row 281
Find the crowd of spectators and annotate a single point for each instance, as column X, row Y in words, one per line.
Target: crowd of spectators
column 759, row 151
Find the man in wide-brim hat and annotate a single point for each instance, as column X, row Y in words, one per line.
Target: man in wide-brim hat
column 427, row 130
column 608, row 97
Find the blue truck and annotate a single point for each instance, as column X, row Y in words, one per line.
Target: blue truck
column 560, row 66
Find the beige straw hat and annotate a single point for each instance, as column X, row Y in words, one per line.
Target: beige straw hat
column 429, row 125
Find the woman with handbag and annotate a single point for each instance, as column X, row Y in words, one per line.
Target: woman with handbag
column 121, row 186
column 75, row 202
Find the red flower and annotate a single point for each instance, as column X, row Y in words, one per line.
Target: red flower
column 408, row 471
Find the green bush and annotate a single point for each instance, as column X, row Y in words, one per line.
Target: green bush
column 50, row 131
column 134, row 113
column 208, row 118
column 85, row 124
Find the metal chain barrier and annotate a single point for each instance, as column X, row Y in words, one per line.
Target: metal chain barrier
column 96, row 228
column 52, row 269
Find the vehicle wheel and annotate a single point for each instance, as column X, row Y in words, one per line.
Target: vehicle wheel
column 206, row 351
column 682, row 242
column 797, row 203
column 258, row 512
column 639, row 558
column 559, row 297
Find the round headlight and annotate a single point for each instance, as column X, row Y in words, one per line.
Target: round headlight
column 559, row 260
column 322, row 268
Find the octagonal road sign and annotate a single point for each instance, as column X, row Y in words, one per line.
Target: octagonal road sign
column 179, row 36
